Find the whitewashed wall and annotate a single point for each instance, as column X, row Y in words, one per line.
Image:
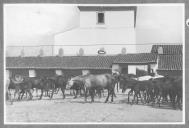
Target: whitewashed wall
column 132, row 69
column 118, row 28
column 113, row 19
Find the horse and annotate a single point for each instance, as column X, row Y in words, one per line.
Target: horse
column 77, row 84
column 102, row 81
column 136, row 86
column 21, row 87
column 47, row 85
column 177, row 87
column 60, row 82
column 41, row 83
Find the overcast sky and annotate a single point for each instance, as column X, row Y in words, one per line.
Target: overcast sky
column 27, row 24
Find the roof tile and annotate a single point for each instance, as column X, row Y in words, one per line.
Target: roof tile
column 168, row 49
column 136, row 58
column 170, row 62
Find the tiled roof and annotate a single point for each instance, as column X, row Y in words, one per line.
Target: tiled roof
column 168, row 49
column 66, row 62
column 166, row 62
column 136, row 58
column 170, row 62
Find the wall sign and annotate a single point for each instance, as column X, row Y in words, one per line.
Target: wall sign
column 101, row 52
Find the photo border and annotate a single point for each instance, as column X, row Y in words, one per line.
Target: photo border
column 185, row 61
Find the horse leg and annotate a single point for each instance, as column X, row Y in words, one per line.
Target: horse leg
column 91, row 92
column 21, row 94
column 75, row 92
column 30, row 94
column 100, row 94
column 107, row 96
column 159, row 99
column 63, row 92
column 52, row 94
column 37, row 92
column 71, row 92
column 129, row 95
column 135, row 95
column 85, row 92
column 117, row 87
column 112, row 92
column 15, row 94
column 138, row 94
column 41, row 94
column 103, row 92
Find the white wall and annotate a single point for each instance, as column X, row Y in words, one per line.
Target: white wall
column 36, row 24
column 119, row 19
column 131, row 69
column 112, row 19
column 142, row 67
column 97, row 36
column 58, row 72
column 118, row 28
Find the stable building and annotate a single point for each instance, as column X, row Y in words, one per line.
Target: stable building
column 169, row 59
column 162, row 60
column 50, row 66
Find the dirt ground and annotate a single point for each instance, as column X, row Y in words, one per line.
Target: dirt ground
column 69, row 110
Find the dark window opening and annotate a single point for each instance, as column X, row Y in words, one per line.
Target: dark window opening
column 100, row 18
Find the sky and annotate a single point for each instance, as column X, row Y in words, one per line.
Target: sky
column 31, row 24
column 36, row 24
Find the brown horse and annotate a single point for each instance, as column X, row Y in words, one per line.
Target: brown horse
column 76, row 84
column 60, row 82
column 102, row 81
column 91, row 83
column 21, row 87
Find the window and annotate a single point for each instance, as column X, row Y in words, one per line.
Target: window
column 58, row 72
column 100, row 18
column 32, row 73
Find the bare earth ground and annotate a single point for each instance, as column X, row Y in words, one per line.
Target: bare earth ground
column 68, row 110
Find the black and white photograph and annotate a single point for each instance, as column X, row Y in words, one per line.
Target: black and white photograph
column 94, row 63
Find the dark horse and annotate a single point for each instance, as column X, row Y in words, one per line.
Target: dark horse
column 21, row 88
column 60, row 82
column 43, row 83
column 146, row 87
